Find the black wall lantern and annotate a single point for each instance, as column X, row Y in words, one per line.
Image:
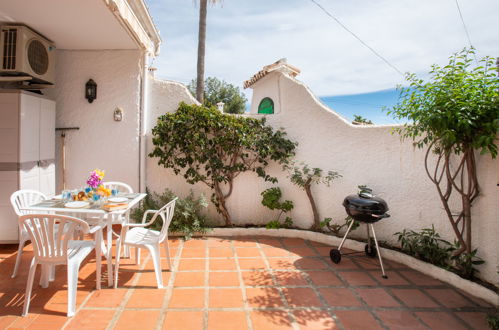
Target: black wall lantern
column 90, row 90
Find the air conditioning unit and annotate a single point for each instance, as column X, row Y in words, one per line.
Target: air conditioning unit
column 25, row 55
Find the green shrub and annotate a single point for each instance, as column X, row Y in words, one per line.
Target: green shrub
column 428, row 246
column 335, row 227
column 271, row 199
column 187, row 218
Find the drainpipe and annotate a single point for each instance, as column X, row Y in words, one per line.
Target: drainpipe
column 144, row 106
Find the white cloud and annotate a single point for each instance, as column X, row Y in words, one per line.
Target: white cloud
column 243, row 36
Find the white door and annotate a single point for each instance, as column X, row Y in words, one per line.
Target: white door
column 29, row 129
column 47, row 129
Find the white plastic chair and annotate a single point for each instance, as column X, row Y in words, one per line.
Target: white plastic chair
column 19, row 200
column 140, row 237
column 53, row 244
column 120, row 186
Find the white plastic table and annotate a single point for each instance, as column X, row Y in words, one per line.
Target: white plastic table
column 95, row 211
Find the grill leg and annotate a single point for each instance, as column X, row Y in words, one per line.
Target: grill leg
column 346, row 234
column 368, row 239
column 379, row 251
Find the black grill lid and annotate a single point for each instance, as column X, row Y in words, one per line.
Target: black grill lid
column 365, row 205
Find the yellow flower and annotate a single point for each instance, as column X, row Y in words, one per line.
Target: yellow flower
column 100, row 173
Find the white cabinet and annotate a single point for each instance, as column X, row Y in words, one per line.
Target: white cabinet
column 27, row 152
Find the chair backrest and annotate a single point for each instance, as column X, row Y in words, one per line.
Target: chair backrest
column 25, row 198
column 120, row 186
column 50, row 235
column 166, row 214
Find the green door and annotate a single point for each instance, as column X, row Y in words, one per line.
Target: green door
column 266, row 106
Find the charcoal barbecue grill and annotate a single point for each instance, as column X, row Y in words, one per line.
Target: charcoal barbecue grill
column 366, row 208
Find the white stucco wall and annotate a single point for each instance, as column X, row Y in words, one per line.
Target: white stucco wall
column 101, row 142
column 368, row 155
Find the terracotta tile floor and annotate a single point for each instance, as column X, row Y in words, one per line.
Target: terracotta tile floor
column 243, row 283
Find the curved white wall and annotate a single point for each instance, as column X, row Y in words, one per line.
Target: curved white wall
column 361, row 154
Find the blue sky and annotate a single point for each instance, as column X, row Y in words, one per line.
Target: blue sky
column 243, row 36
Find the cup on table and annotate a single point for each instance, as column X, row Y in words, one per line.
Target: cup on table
column 66, row 195
column 96, row 198
column 114, row 192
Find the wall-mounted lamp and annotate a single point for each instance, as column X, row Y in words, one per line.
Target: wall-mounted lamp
column 118, row 114
column 90, row 90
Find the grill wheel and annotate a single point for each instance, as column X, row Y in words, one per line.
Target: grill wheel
column 335, row 256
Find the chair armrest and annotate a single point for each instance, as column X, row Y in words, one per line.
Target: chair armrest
column 96, row 228
column 144, row 217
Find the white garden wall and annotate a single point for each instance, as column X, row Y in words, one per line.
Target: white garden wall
column 100, row 142
column 361, row 154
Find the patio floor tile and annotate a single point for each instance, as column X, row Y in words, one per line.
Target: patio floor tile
column 339, row 297
column 314, row 320
column 290, row 278
column 399, row 320
column 276, row 252
column 252, row 263
column 254, row 278
column 250, row 252
column 224, row 279
column 449, row 298
column 106, row 297
column 189, row 279
column 193, row 253
column 377, row 298
column 183, row 320
column 263, row 297
column 146, row 298
column 440, row 320
column 291, row 242
column 269, row 242
column 187, row 298
column 475, row 320
column 192, row 264
column 282, row 263
column 270, row 320
column 225, row 320
column 301, row 297
column 222, row 264
column 269, row 283
column 414, row 298
column 222, row 252
column 357, row 320
column 323, row 278
column 302, row 251
column 420, row 279
column 91, row 319
column 137, row 319
column 357, row 278
column 392, row 280
column 311, row 263
column 225, row 298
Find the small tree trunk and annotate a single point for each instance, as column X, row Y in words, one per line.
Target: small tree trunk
column 221, row 208
column 317, row 223
column 201, row 50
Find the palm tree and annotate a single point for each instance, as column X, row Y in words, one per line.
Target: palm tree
column 201, row 48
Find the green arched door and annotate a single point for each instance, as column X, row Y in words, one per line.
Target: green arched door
column 266, row 106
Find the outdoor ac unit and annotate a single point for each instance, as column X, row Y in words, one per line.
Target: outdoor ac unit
column 26, row 55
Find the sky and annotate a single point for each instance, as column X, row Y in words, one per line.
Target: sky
column 243, row 36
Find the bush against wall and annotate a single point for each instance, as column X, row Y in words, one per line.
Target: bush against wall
column 453, row 114
column 207, row 146
column 188, row 217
